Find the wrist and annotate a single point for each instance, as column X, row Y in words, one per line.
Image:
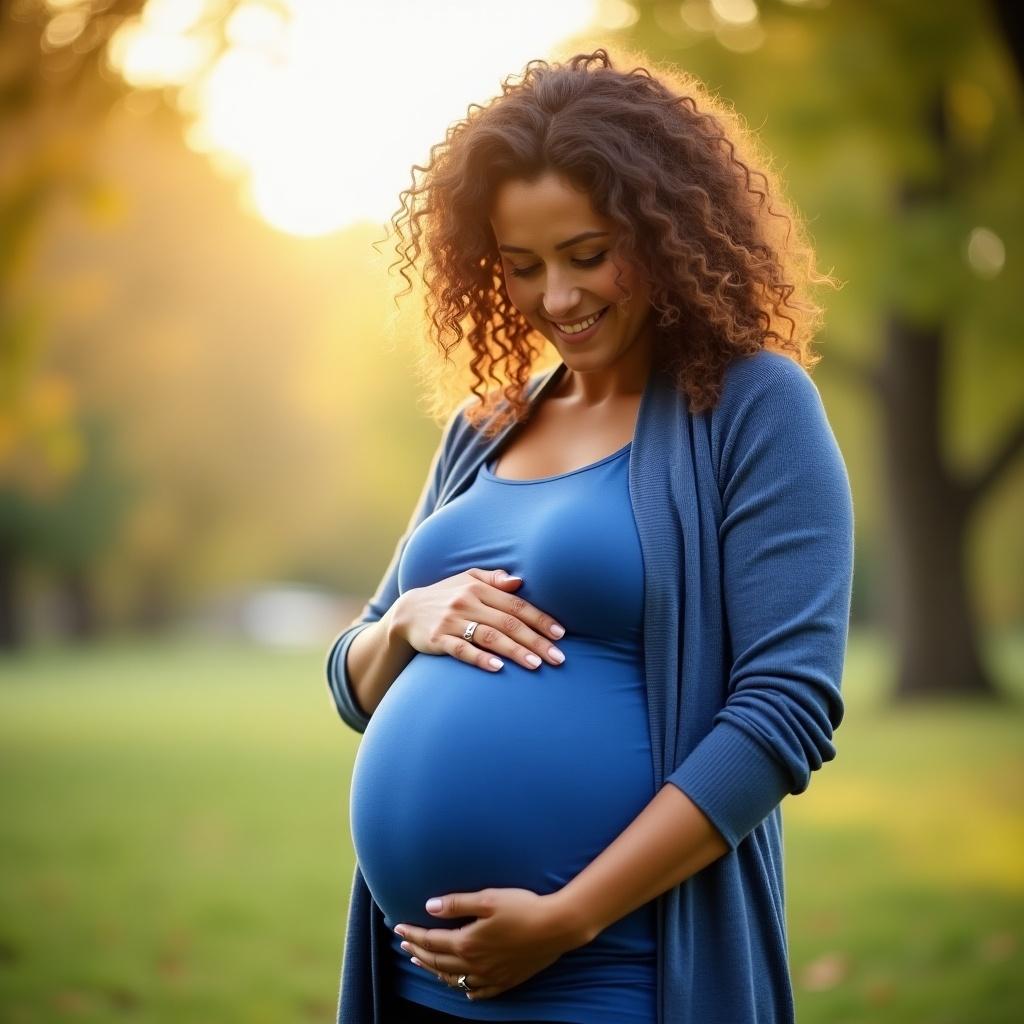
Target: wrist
column 395, row 624
column 570, row 921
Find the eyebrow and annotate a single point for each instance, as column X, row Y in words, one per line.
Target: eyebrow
column 561, row 245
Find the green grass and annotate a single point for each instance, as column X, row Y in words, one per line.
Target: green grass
column 174, row 844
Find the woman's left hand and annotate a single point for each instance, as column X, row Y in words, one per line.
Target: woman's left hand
column 516, row 934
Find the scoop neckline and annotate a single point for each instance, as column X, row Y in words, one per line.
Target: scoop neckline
column 487, row 472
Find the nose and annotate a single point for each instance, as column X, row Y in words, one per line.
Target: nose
column 560, row 298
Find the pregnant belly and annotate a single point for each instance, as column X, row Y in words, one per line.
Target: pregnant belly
column 466, row 779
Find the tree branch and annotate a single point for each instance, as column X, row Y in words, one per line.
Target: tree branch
column 977, row 487
column 1008, row 16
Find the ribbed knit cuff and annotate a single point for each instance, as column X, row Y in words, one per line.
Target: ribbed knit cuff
column 338, row 681
column 733, row 780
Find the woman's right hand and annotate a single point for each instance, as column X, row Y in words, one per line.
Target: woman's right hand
column 432, row 620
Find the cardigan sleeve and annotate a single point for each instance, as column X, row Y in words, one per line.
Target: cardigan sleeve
column 786, row 547
column 338, row 682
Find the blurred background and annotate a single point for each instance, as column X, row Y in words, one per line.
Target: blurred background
column 212, row 433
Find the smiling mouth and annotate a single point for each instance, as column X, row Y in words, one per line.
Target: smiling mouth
column 581, row 325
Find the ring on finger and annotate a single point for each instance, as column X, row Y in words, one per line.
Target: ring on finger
column 470, row 630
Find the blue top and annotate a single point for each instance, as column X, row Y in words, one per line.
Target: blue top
column 745, row 519
column 522, row 777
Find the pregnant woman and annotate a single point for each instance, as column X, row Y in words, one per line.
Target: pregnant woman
column 611, row 639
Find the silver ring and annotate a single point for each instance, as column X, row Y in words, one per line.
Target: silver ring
column 470, row 630
column 463, row 984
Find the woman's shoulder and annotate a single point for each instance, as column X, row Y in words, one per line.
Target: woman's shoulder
column 765, row 368
column 765, row 379
column 771, row 419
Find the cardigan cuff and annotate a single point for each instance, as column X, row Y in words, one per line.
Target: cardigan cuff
column 733, row 779
column 338, row 681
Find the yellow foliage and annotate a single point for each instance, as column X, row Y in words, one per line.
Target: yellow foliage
column 41, row 449
column 949, row 832
column 104, row 205
column 50, row 401
column 65, row 452
column 8, row 436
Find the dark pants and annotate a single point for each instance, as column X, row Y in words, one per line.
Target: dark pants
column 402, row 1011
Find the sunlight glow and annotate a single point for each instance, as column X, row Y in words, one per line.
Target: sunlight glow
column 328, row 106
column 616, row 14
column 64, row 28
column 986, row 252
column 148, row 59
column 735, row 12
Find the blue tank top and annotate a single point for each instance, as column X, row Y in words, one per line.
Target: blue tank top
column 467, row 779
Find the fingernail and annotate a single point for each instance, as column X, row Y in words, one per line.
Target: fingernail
column 433, row 905
column 557, row 655
column 556, row 630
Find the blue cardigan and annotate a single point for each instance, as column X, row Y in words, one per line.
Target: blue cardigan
column 745, row 518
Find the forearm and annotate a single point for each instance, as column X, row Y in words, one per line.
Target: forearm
column 374, row 660
column 669, row 841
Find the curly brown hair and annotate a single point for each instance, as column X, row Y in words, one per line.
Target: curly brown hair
column 671, row 166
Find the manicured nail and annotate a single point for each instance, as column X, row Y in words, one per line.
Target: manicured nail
column 556, row 630
column 496, row 663
column 434, row 905
column 557, row 655
column 399, row 930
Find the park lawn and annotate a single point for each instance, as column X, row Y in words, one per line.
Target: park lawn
column 174, row 844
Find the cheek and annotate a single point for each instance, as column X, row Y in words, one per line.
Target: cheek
column 521, row 294
column 617, row 282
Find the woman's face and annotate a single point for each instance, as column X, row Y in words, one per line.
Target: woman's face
column 560, row 270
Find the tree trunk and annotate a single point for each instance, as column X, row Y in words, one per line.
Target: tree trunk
column 11, row 626
column 82, row 621
column 935, row 633
column 153, row 611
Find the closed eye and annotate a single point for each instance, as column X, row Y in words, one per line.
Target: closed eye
column 591, row 261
